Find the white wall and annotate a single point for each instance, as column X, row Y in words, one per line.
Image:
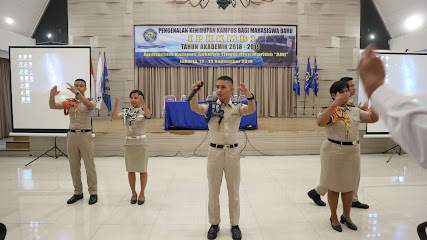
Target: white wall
column 12, row 39
column 415, row 42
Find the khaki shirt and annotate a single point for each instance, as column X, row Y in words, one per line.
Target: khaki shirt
column 135, row 127
column 337, row 131
column 226, row 131
column 82, row 118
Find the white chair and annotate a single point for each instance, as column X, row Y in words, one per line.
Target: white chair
column 168, row 98
column 184, row 98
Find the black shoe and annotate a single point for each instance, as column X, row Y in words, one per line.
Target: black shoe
column 236, row 234
column 75, row 198
column 337, row 227
column 359, row 205
column 213, row 231
column 93, row 199
column 133, row 201
column 140, row 202
column 350, row 225
column 316, row 197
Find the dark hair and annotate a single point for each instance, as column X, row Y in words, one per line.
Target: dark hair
column 81, row 80
column 346, row 79
column 226, row 78
column 337, row 87
column 136, row 91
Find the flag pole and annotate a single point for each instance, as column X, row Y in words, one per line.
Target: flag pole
column 313, row 104
column 305, row 96
column 95, row 83
column 295, row 105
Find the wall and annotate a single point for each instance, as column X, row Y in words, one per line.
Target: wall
column 12, row 39
column 328, row 30
column 415, row 42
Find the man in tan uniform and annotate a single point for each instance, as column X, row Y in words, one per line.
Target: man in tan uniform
column 315, row 193
column 223, row 156
column 79, row 138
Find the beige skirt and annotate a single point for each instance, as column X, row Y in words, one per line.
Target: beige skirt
column 340, row 166
column 136, row 155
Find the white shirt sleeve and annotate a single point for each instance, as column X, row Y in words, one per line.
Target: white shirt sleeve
column 406, row 121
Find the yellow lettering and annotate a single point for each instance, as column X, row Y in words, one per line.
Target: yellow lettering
column 220, row 38
column 232, row 38
column 243, row 38
column 190, row 38
column 199, row 38
column 209, row 38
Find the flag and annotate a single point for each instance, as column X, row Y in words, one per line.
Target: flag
column 92, row 78
column 106, row 86
column 315, row 78
column 296, row 86
column 98, row 87
column 307, row 78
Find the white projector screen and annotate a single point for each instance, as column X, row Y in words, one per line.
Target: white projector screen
column 34, row 71
column 406, row 73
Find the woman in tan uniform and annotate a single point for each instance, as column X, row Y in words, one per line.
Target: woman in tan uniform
column 136, row 146
column 340, row 153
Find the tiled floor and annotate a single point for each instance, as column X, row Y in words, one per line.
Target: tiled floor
column 274, row 202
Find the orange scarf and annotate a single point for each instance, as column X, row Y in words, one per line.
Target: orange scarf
column 341, row 115
column 70, row 103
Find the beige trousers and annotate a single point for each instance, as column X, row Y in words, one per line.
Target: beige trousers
column 80, row 145
column 225, row 161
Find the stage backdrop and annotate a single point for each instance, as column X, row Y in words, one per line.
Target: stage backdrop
column 215, row 46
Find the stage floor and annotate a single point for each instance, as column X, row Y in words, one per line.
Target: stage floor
column 273, row 192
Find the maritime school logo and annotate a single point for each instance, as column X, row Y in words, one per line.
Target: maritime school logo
column 150, row 35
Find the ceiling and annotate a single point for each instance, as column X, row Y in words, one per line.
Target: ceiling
column 25, row 13
column 395, row 13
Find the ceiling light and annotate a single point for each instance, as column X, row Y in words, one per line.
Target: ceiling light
column 49, row 35
column 372, row 36
column 9, row 20
column 413, row 22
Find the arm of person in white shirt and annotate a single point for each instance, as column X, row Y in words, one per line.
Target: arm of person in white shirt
column 406, row 120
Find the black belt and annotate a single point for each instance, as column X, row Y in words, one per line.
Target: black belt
column 344, row 143
column 224, row 146
column 80, row 131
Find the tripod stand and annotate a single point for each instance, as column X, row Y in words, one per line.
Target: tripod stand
column 58, row 153
column 397, row 149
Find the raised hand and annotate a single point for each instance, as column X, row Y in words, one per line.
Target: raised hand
column 141, row 100
column 371, row 70
column 195, row 85
column 244, row 90
column 341, row 98
column 363, row 107
column 72, row 88
column 54, row 91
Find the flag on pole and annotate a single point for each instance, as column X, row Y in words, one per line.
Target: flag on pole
column 307, row 78
column 315, row 79
column 296, row 86
column 106, row 86
column 92, row 79
column 98, row 87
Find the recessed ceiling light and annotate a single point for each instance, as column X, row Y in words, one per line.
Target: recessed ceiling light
column 372, row 36
column 413, row 22
column 9, row 20
column 49, row 35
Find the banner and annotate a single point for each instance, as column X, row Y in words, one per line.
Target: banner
column 215, row 46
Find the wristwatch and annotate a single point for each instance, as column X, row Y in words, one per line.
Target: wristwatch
column 252, row 98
